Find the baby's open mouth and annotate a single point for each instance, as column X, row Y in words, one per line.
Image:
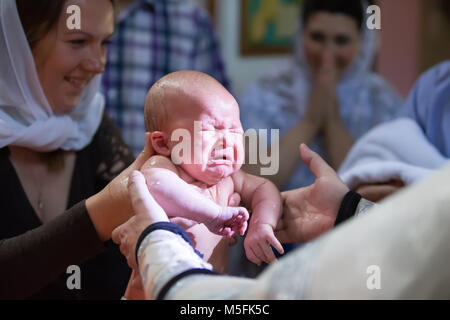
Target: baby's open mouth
column 221, row 156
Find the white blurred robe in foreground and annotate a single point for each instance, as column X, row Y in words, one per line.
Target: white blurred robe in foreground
column 399, row 249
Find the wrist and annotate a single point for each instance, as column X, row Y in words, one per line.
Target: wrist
column 209, row 217
column 348, row 207
column 257, row 225
column 97, row 215
column 106, row 214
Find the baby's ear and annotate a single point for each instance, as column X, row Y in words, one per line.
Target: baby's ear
column 160, row 143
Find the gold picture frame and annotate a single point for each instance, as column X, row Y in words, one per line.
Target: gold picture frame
column 268, row 26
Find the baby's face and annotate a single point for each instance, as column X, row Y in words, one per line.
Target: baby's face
column 216, row 134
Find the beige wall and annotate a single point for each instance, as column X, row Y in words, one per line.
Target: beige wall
column 415, row 35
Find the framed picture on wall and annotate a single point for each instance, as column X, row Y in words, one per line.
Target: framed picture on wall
column 268, row 26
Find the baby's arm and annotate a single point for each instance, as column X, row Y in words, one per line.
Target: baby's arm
column 179, row 199
column 266, row 204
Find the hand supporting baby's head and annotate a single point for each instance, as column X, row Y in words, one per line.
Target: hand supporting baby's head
column 194, row 120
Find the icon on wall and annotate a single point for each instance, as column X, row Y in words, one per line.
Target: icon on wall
column 268, row 26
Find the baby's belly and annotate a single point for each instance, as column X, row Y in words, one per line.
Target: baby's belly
column 213, row 247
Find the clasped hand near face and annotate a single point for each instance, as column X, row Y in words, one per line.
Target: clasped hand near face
column 323, row 106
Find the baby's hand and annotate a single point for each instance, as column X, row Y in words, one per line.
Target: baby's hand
column 257, row 244
column 230, row 221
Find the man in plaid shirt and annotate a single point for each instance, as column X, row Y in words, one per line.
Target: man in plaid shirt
column 154, row 38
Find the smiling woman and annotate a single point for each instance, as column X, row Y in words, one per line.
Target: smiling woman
column 51, row 112
column 67, row 60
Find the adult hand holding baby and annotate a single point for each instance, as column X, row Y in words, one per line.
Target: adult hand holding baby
column 146, row 212
column 112, row 206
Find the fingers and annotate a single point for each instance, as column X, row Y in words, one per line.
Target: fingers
column 244, row 213
column 144, row 155
column 258, row 251
column 252, row 256
column 242, row 221
column 266, row 253
column 266, row 250
column 115, row 236
column 235, row 219
column 238, row 225
column 376, row 193
column 227, row 232
column 316, row 164
column 134, row 290
column 139, row 194
column 126, row 237
column 327, row 60
column 276, row 244
column 243, row 228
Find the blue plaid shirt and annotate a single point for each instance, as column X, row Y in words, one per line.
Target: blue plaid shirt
column 152, row 39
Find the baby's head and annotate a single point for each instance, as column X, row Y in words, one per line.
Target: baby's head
column 198, row 108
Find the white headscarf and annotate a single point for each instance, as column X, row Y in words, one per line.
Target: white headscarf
column 26, row 118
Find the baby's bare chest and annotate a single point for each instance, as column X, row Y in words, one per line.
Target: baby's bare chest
column 219, row 193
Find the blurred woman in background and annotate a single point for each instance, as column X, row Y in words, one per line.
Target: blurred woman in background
column 326, row 96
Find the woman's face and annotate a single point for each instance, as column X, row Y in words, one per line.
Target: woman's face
column 67, row 60
column 334, row 33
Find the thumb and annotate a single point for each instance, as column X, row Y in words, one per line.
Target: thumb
column 315, row 163
column 115, row 236
column 276, row 244
column 143, row 203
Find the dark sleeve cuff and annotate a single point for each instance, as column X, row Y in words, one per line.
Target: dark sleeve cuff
column 186, row 273
column 348, row 207
column 168, row 226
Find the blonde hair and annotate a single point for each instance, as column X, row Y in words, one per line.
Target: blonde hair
column 155, row 114
column 185, row 82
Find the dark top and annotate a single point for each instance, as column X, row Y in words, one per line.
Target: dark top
column 34, row 257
